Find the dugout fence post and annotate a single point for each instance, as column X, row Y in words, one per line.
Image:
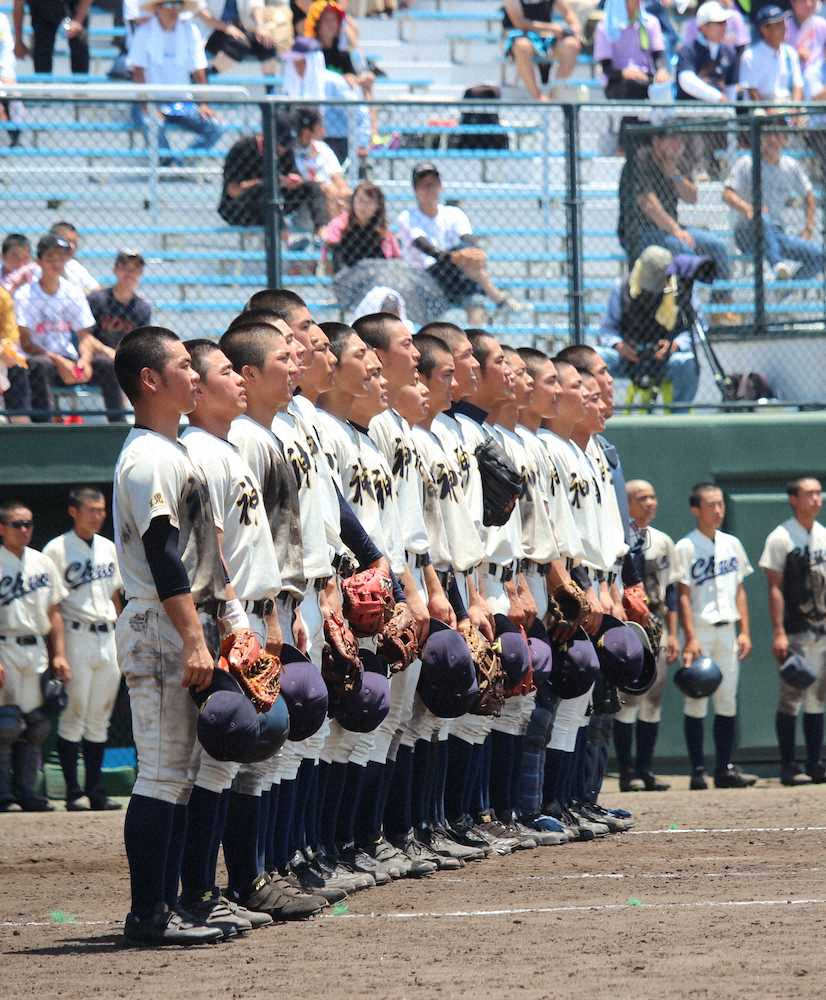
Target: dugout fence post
column 573, row 225
column 759, row 247
column 272, row 217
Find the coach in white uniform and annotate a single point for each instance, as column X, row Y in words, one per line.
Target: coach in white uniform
column 88, row 566
column 794, row 559
column 31, row 632
column 712, row 566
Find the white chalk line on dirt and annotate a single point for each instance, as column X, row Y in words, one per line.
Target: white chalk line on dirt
column 600, row 908
column 729, row 829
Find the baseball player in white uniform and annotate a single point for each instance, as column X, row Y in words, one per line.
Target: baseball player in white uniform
column 653, row 553
column 31, row 636
column 712, row 567
column 794, row 560
column 169, row 561
column 88, row 566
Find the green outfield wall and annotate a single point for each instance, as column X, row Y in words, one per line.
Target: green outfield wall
column 751, row 456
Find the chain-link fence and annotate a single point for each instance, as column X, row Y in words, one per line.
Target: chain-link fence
column 543, row 209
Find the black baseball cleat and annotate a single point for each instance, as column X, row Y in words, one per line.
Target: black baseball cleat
column 630, row 782
column 102, row 803
column 792, row 774
column 698, row 781
column 165, row 927
column 732, row 777
column 817, row 773
column 79, row 803
column 36, row 804
column 651, row 783
column 212, row 910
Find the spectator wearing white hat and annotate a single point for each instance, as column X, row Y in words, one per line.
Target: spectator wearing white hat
column 167, row 49
column 770, row 69
column 707, row 68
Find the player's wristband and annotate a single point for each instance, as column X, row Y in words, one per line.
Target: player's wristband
column 233, row 618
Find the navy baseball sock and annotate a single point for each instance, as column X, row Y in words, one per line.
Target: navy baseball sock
column 67, row 752
column 93, row 763
column 353, row 788
column 785, row 725
column 623, row 744
column 473, row 778
column 241, row 839
column 483, row 781
column 284, row 824
column 399, row 794
column 813, row 735
column 724, row 730
column 422, row 782
column 369, row 818
column 518, row 748
column 567, row 778
column 458, row 766
column 197, row 874
column 303, row 790
column 550, row 781
column 500, row 775
column 693, row 729
column 270, row 819
column 311, row 821
column 332, row 804
column 147, row 830
column 646, row 741
column 218, row 833
column 172, row 877
column 263, row 828
column 387, row 775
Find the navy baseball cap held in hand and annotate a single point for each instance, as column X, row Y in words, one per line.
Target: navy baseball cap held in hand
column 227, row 721
column 364, row 710
column 304, row 691
column 575, row 666
column 447, row 683
column 619, row 651
column 273, row 730
column 797, row 673
column 515, row 654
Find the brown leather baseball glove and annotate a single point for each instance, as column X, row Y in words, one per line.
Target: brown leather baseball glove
column 341, row 665
column 368, row 603
column 258, row 672
column 490, row 676
column 398, row 640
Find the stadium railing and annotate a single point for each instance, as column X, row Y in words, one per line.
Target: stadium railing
column 540, row 184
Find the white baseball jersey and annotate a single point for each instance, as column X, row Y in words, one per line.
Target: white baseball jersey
column 392, row 435
column 391, row 539
column 239, row 513
column 262, row 452
column 549, row 486
column 612, row 532
column 308, row 415
column 574, row 493
column 713, row 569
column 538, row 541
column 454, row 539
column 454, row 438
column 29, row 586
column 660, row 568
column 312, row 493
column 800, row 555
column 340, row 442
column 90, row 574
column 155, row 477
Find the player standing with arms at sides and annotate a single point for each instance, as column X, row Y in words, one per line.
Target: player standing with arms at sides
column 794, row 559
column 168, row 555
column 653, row 553
column 712, row 566
column 88, row 565
column 31, row 635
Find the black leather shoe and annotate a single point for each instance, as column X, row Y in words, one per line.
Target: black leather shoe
column 698, row 781
column 817, row 774
column 792, row 774
column 630, row 782
column 651, row 783
column 732, row 777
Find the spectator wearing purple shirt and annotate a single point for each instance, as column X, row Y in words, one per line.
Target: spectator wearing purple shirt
column 806, row 33
column 630, row 48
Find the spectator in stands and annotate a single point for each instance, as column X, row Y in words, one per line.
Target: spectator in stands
column 644, row 335
column 439, row 238
column 782, row 179
column 654, row 180
column 737, row 34
column 806, row 33
column 74, row 270
column 119, row 309
column 17, row 267
column 8, row 74
column 316, row 161
column 707, row 68
column 169, row 50
column 361, row 231
column 46, row 17
column 770, row 69
column 306, row 77
column 14, row 381
column 239, row 32
column 532, row 37
column 244, row 195
column 630, row 48
column 56, row 331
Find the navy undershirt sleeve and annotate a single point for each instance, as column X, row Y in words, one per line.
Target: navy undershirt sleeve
column 160, row 544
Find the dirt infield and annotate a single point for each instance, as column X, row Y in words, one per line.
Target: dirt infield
column 714, row 895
